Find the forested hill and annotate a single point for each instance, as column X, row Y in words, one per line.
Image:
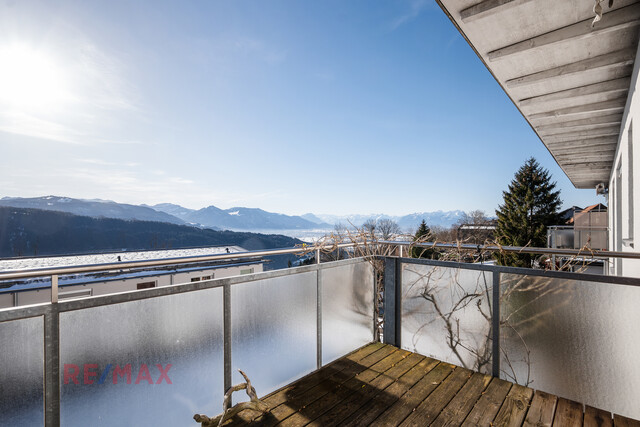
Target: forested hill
column 29, row 232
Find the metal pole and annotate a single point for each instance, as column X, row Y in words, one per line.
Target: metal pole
column 401, row 251
column 317, row 256
column 392, row 296
column 52, row 366
column 319, row 318
column 227, row 336
column 495, row 326
column 54, row 289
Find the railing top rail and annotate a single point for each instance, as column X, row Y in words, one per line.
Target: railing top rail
column 21, row 312
column 581, row 227
column 585, row 253
column 49, row 271
column 90, row 268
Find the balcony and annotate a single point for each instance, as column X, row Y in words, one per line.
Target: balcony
column 304, row 336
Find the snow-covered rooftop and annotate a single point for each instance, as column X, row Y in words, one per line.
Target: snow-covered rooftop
column 73, row 260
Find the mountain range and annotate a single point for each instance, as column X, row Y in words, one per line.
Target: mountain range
column 94, row 208
column 237, row 218
column 38, row 232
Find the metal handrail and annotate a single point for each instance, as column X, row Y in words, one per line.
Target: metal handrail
column 89, row 268
column 59, row 271
column 571, row 227
column 521, row 249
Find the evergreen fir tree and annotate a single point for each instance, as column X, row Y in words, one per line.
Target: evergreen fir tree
column 423, row 234
column 530, row 205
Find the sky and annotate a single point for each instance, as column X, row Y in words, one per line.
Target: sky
column 336, row 107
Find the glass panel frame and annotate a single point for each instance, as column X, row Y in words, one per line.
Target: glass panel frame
column 184, row 330
column 574, row 338
column 274, row 330
column 22, row 371
column 446, row 314
column 347, row 294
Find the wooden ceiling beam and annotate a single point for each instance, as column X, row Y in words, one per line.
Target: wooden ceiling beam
column 611, row 86
column 594, row 122
column 618, row 19
column 578, row 158
column 610, row 132
column 487, row 7
column 607, row 141
column 580, row 136
column 611, row 106
column 617, row 59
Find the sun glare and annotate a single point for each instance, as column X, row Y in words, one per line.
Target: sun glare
column 30, row 78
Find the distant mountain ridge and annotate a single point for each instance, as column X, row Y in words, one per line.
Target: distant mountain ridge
column 239, row 218
column 92, row 208
column 37, row 232
column 406, row 222
column 236, row 218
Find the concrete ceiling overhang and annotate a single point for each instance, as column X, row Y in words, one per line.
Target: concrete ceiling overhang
column 568, row 79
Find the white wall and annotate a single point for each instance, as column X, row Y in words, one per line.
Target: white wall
column 624, row 186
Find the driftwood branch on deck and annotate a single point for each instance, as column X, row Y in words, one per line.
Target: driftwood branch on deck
column 227, row 413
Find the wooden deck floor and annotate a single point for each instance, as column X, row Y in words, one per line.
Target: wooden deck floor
column 382, row 385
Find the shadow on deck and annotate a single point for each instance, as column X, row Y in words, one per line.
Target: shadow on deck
column 385, row 386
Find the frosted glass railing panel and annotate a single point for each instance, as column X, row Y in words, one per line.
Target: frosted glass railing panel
column 274, row 330
column 446, row 314
column 21, row 372
column 583, row 339
column 182, row 330
column 347, row 309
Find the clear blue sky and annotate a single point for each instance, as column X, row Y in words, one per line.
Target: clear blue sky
column 291, row 106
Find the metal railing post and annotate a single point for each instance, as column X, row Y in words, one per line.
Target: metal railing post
column 495, row 326
column 52, row 366
column 226, row 301
column 392, row 302
column 317, row 256
column 54, row 289
column 319, row 318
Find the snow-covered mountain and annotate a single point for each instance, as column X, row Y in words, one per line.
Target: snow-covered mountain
column 406, row 222
column 93, row 208
column 311, row 217
column 240, row 218
column 172, row 209
column 237, row 218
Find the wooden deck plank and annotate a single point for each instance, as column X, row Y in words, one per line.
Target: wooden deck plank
column 541, row 411
column 515, row 407
column 370, row 411
column 359, row 397
column 568, row 414
column 458, row 409
column 431, row 407
column 318, row 407
column 488, row 405
column 620, row 421
column 296, row 401
column 382, row 385
column 597, row 418
column 411, row 399
column 280, row 396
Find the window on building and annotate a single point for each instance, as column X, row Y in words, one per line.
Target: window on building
column 146, row 285
column 206, row 277
column 246, row 271
column 75, row 294
column 195, row 279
